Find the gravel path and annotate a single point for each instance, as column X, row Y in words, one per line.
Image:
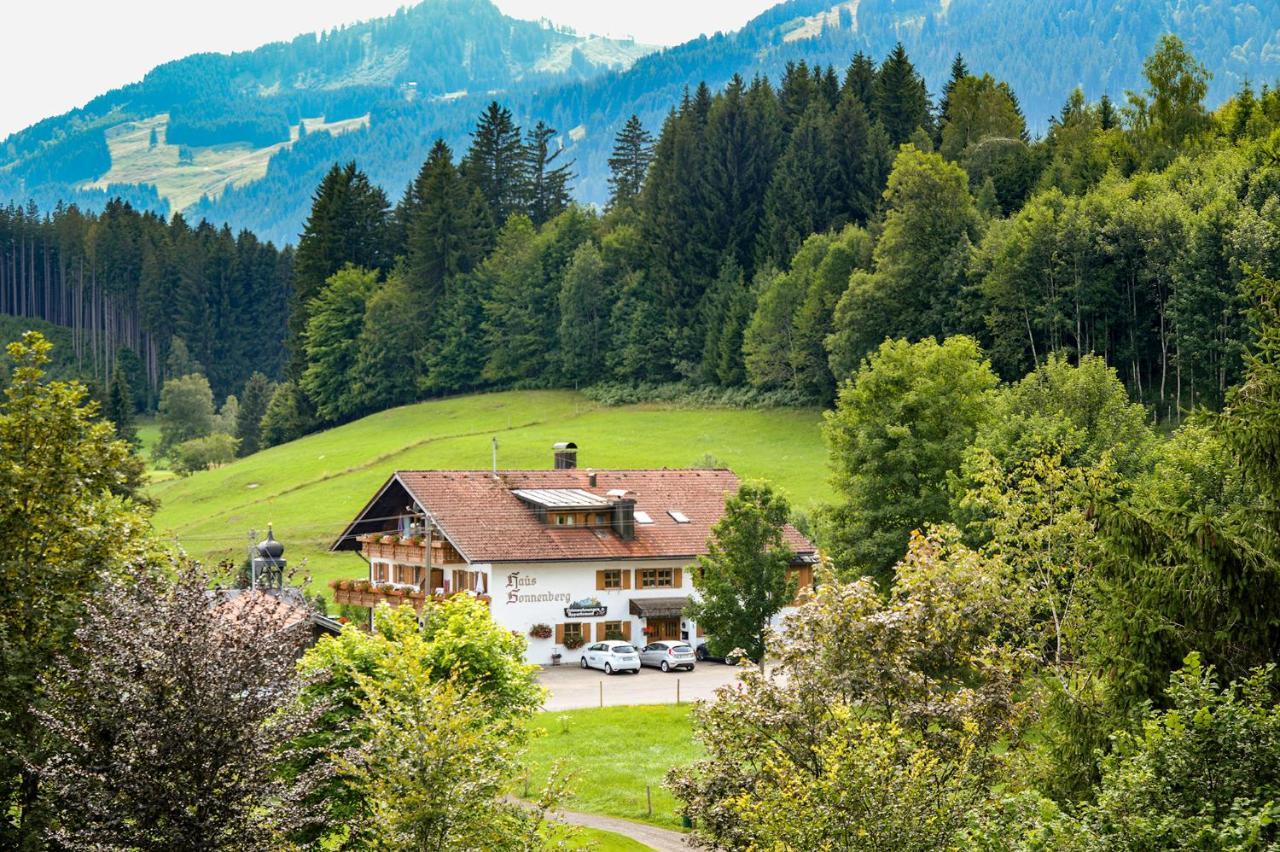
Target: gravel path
column 660, row 839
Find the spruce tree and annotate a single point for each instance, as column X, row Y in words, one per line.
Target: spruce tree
column 733, row 181
column 349, row 224
column 959, row 70
column 632, row 153
column 800, row 200
column 860, row 81
column 254, row 400
column 546, row 182
column 494, row 163
column 1107, row 117
column 717, row 306
column 902, row 101
column 446, row 226
column 584, row 317
column 857, row 181
column 119, row 408
column 798, row 90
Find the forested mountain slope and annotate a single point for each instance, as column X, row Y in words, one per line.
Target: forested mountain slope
column 268, row 123
column 196, row 126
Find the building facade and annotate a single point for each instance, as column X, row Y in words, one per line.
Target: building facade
column 565, row 556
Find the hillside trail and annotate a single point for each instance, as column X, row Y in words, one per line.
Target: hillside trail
column 659, row 839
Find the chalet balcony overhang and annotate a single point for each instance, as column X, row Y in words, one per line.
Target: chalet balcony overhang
column 369, row 594
column 408, row 550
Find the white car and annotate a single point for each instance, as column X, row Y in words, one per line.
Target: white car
column 612, row 656
column 668, row 655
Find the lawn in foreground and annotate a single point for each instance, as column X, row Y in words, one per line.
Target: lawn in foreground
column 599, row 841
column 611, row 754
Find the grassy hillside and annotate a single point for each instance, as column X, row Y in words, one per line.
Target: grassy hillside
column 310, row 488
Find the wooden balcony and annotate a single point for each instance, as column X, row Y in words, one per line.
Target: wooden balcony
column 367, row 594
column 408, row 551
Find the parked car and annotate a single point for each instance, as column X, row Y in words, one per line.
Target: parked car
column 703, row 655
column 668, row 655
column 611, row 656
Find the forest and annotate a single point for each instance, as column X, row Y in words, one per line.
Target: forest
column 430, row 69
column 770, row 237
column 1047, row 612
column 129, row 285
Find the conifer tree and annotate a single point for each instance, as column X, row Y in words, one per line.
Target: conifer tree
column 1107, row 117
column 254, row 400
column 493, row 164
column 632, row 153
column 800, row 199
column 741, row 146
column 717, row 306
column 455, row 360
column 797, row 92
column 546, row 183
column 638, row 332
column 959, row 70
column 859, row 179
column 860, row 81
column 119, row 408
column 349, row 224
column 584, row 317
column 902, row 101
column 446, row 225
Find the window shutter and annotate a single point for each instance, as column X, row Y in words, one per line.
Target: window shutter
column 626, row 631
column 599, row 631
column 599, row 579
column 626, row 578
column 677, row 577
column 559, row 634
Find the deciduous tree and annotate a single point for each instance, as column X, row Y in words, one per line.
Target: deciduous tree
column 743, row 581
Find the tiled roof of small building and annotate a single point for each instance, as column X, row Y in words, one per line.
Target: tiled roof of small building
column 486, row 522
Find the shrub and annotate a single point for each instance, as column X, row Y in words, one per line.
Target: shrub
column 204, row 453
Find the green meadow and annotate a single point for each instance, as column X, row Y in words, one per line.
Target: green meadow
column 611, row 755
column 310, row 488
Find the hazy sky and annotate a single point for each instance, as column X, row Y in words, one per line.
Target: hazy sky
column 60, row 53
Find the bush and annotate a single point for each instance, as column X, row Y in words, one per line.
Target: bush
column 204, row 453
column 694, row 395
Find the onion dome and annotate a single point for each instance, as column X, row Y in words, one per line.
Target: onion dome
column 269, row 548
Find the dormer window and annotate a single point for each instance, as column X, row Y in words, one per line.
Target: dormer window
column 565, row 520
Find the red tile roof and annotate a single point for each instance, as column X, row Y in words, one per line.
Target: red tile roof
column 487, row 523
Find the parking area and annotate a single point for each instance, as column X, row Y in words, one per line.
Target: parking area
column 572, row 688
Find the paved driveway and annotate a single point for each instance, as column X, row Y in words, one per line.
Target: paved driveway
column 572, row 688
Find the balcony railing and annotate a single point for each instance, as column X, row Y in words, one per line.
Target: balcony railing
column 369, row 594
column 403, row 550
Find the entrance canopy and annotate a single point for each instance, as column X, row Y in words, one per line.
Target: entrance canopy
column 658, row 607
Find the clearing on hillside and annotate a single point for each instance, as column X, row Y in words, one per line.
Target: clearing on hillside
column 309, row 489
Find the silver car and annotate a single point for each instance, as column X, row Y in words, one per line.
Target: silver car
column 611, row 656
column 668, row 656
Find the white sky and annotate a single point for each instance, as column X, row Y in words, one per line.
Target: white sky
column 59, row 54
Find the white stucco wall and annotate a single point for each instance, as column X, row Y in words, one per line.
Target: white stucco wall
column 525, row 594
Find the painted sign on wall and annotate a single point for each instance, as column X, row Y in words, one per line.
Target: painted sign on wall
column 519, row 591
